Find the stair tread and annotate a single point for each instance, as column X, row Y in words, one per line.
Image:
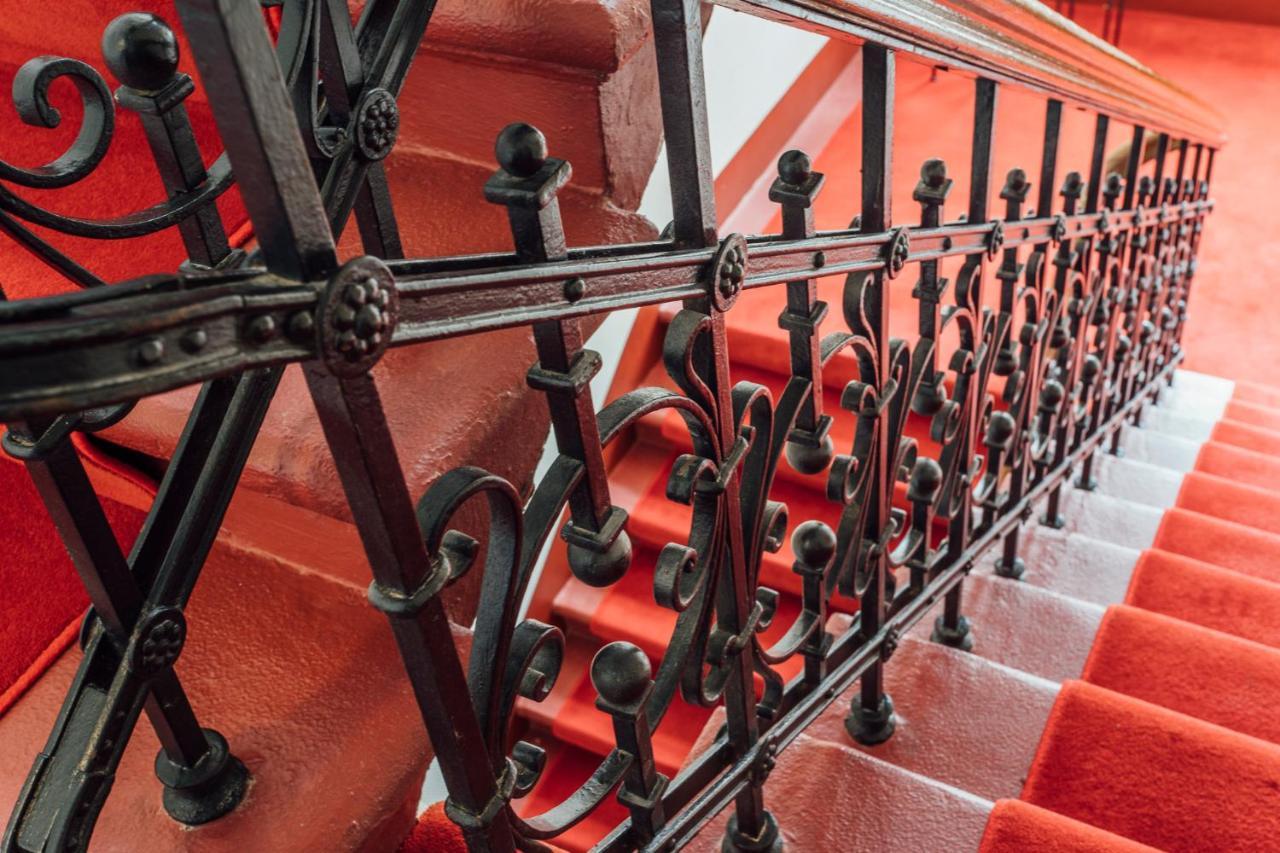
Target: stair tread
column 1221, row 542
column 824, row 794
column 1198, row 671
column 938, row 733
column 1154, row 775
column 1239, row 463
column 1204, row 594
column 333, row 773
column 1005, row 615
column 1017, row 827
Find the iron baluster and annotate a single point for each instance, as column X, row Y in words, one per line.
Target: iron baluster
column 599, row 549
column 871, row 720
column 809, row 447
column 931, row 394
column 981, row 338
column 682, row 93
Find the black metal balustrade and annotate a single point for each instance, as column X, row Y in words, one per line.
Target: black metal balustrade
column 1092, row 300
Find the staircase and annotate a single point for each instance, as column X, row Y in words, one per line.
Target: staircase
column 1118, row 695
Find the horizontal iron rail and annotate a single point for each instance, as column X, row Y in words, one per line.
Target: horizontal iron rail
column 1011, row 41
column 713, row 779
column 55, row 348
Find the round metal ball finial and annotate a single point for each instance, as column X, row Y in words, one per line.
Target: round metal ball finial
column 620, row 673
column 1051, row 394
column 601, row 569
column 809, row 458
column 926, row 478
column 1072, row 184
column 934, row 172
column 1016, row 180
column 141, row 50
column 795, row 167
column 1001, row 428
column 521, row 149
column 814, row 543
column 1091, row 367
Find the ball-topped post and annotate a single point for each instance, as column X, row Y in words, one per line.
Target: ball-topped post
column 1112, row 187
column 814, row 544
column 521, row 150
column 1072, row 190
column 933, row 187
column 601, row 568
column 1000, row 430
column 1016, row 186
column 811, row 458
column 621, row 675
column 795, row 167
column 141, row 50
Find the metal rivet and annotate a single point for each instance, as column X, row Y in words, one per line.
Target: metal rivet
column 301, row 326
column 194, row 340
column 819, row 260
column 574, row 289
column 262, row 329
column 946, row 244
column 151, row 351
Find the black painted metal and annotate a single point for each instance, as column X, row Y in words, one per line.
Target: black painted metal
column 1027, row 386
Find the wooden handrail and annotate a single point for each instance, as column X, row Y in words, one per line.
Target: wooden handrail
column 1023, row 42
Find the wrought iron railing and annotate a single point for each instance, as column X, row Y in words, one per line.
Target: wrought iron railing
column 1092, row 294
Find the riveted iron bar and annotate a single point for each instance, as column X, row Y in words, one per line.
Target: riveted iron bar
column 47, row 338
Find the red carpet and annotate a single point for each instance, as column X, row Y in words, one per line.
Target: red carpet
column 435, row 833
column 1204, row 594
column 1018, row 827
column 1203, row 673
column 1170, row 738
column 1155, row 776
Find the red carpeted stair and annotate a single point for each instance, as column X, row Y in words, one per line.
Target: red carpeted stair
column 1140, row 653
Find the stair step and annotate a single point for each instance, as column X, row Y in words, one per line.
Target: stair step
column 1018, row 827
column 1254, row 414
column 1204, row 594
column 1224, row 498
column 1158, row 448
column 324, row 719
column 962, row 720
column 1220, row 542
column 1076, row 565
column 1256, row 392
column 1154, row 775
column 1200, row 672
column 1240, row 464
column 1137, row 481
column 1108, row 519
column 1250, row 437
column 1176, row 424
column 1007, row 616
column 1201, row 393
column 827, row 797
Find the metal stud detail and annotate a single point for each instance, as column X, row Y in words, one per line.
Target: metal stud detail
column 357, row 316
